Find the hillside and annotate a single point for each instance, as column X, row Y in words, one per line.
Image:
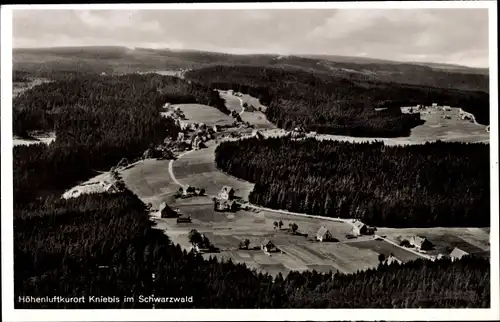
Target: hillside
column 432, row 185
column 122, row 60
column 335, row 104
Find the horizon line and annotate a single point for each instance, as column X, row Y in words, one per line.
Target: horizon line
column 304, row 55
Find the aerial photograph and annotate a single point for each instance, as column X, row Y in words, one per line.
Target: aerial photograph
column 250, row 159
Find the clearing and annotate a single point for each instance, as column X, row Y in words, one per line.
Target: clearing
column 157, row 181
column 199, row 113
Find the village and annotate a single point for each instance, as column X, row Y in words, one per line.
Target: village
column 214, row 218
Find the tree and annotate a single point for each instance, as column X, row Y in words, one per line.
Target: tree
column 202, row 192
column 280, row 224
column 381, row 258
column 247, row 243
column 275, row 224
column 195, row 237
column 294, row 227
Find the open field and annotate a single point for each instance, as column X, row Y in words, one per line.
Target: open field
column 18, row 87
column 383, row 247
column 435, row 128
column 151, row 181
column 454, row 129
column 204, row 114
column 443, row 238
column 36, row 140
column 197, row 168
column 258, row 119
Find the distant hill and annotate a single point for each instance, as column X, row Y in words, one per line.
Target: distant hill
column 114, row 59
column 366, row 60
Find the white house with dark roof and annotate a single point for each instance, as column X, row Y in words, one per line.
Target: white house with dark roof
column 420, row 243
column 226, row 193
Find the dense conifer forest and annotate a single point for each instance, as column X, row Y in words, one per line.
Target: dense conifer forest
column 105, row 245
column 436, row 184
column 97, row 121
column 328, row 104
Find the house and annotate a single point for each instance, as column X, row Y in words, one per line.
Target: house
column 323, row 234
column 488, row 129
column 215, row 128
column 225, row 205
column 167, row 105
column 468, row 250
column 226, row 193
column 257, row 134
column 420, row 243
column 358, row 228
column 446, row 108
column 393, row 259
column 268, row 246
column 167, row 212
column 434, row 105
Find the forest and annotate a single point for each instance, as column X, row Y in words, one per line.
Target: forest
column 105, row 245
column 432, row 185
column 336, row 105
column 98, row 120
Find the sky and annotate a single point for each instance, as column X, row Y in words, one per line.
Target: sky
column 454, row 36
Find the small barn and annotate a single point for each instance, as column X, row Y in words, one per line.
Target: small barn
column 215, row 128
column 257, row 134
column 268, row 246
column 226, row 193
column 421, row 243
column 181, row 220
column 323, row 234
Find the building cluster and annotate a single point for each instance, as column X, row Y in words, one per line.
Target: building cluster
column 422, row 108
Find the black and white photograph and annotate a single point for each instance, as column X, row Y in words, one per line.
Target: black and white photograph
column 162, row 160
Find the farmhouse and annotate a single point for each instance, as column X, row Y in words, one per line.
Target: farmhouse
column 467, row 250
column 167, row 212
column 226, row 193
column 268, row 247
column 434, row 105
column 225, row 205
column 393, row 259
column 215, row 128
column 323, row 234
column 420, row 243
column 358, row 228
